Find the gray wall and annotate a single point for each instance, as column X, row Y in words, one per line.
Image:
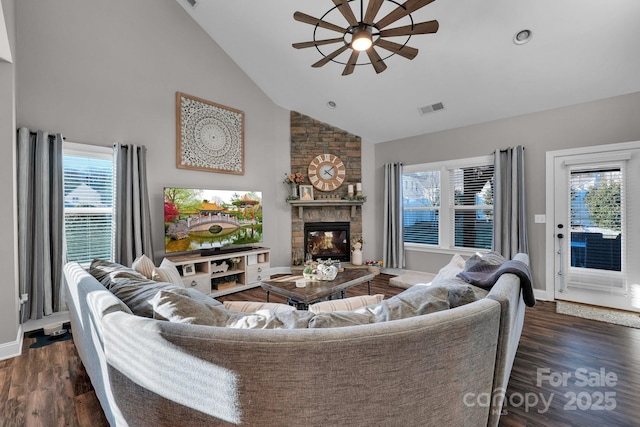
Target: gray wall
column 9, row 284
column 100, row 72
column 605, row 121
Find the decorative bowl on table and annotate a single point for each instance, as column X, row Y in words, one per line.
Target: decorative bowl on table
column 320, row 272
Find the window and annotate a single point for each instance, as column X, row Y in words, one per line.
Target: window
column 88, row 202
column 449, row 205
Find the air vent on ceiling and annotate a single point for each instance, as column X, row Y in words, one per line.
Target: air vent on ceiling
column 193, row 3
column 431, row 108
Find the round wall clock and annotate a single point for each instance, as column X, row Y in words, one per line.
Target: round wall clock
column 327, row 172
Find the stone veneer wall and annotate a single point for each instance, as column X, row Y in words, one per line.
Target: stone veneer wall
column 309, row 138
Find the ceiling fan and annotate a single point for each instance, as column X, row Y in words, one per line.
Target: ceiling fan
column 365, row 34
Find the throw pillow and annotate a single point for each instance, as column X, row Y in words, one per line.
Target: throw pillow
column 106, row 271
column 144, row 266
column 136, row 293
column 167, row 272
column 253, row 306
column 176, row 306
column 415, row 301
column 345, row 304
column 490, row 258
column 461, row 292
column 455, row 266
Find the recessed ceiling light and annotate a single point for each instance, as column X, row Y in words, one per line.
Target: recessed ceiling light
column 522, row 37
column 331, row 104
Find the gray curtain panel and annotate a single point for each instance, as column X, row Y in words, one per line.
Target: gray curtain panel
column 40, row 222
column 132, row 216
column 509, row 204
column 393, row 239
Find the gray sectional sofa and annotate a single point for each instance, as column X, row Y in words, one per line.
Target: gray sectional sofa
column 427, row 370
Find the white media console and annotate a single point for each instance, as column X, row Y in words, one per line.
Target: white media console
column 217, row 275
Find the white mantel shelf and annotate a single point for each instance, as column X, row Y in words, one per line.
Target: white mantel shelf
column 301, row 204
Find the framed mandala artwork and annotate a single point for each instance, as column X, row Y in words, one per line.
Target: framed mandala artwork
column 210, row 137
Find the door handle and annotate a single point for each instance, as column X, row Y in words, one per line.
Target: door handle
column 560, row 236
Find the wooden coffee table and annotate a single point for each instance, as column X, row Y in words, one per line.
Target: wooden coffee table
column 316, row 290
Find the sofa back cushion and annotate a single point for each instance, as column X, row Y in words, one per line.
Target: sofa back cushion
column 131, row 287
column 177, row 306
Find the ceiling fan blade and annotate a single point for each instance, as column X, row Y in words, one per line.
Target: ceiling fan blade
column 351, row 65
column 409, row 30
column 308, row 19
column 372, row 10
column 329, row 57
column 407, row 7
column 376, row 61
column 303, row 45
column 345, row 9
column 402, row 50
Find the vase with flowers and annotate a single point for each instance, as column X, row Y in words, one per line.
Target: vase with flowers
column 356, row 251
column 293, row 180
column 234, row 262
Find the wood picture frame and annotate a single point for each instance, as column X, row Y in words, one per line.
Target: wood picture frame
column 209, row 136
column 306, row 192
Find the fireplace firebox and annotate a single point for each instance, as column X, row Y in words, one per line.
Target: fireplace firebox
column 327, row 240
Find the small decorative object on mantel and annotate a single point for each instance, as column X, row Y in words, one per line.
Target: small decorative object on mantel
column 209, row 136
column 359, row 198
column 306, row 192
column 293, row 180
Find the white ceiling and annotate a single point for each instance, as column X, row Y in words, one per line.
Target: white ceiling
column 580, row 51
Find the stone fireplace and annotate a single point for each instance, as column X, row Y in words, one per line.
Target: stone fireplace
column 310, row 138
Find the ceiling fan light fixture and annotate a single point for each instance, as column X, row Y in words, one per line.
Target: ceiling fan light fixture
column 366, row 32
column 362, row 38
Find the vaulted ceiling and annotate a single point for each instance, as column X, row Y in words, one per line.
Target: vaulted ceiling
column 579, row 51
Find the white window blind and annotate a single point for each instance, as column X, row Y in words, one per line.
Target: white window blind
column 597, row 218
column 421, row 202
column 449, row 205
column 88, row 202
column 472, row 194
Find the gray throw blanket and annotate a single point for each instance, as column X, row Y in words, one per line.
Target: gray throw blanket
column 485, row 276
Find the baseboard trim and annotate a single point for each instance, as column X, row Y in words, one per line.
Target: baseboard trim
column 280, row 270
column 13, row 348
column 541, row 294
column 34, row 325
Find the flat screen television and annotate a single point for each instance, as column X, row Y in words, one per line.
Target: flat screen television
column 211, row 221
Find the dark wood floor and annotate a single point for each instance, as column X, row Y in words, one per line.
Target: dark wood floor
column 48, row 386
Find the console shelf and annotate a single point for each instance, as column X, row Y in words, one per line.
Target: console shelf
column 208, row 273
column 301, row 204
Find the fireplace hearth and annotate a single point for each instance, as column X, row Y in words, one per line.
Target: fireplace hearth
column 328, row 240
